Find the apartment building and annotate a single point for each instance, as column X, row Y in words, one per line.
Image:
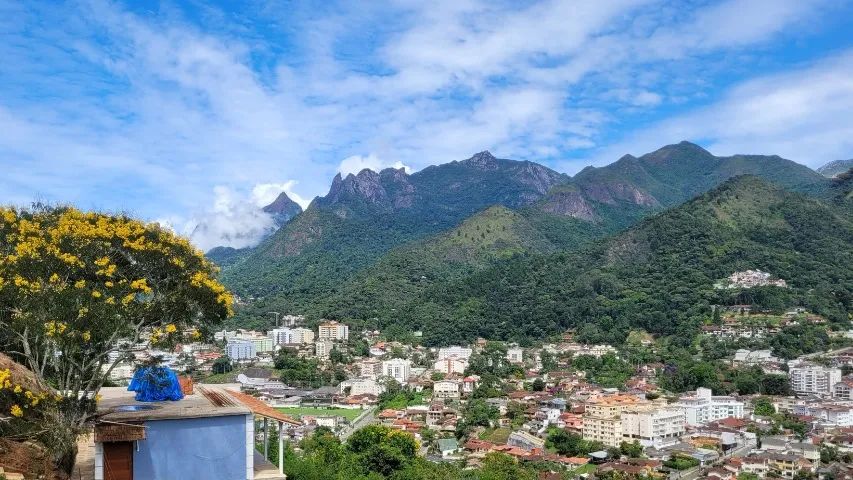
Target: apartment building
column 602, row 420
column 463, row 353
column 398, row 369
column 654, row 426
column 450, row 365
column 808, row 379
column 238, row 349
column 323, row 347
column 703, row 407
column 333, row 331
column 292, row 336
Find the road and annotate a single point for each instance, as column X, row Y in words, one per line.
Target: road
column 362, row 421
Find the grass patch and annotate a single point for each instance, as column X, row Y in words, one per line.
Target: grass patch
column 347, row 413
column 496, row 435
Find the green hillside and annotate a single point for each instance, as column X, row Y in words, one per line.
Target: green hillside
column 657, row 276
column 334, row 253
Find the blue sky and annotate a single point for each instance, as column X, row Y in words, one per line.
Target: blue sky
column 188, row 112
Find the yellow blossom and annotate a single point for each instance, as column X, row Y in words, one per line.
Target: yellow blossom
column 109, row 284
column 171, row 328
column 140, row 285
column 96, row 294
column 17, row 389
column 54, row 278
column 86, row 336
column 80, row 284
column 16, row 411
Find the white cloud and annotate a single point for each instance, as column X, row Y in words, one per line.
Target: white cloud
column 149, row 111
column 798, row 115
column 356, row 163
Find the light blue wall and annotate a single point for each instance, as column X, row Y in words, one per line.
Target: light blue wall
column 211, row 448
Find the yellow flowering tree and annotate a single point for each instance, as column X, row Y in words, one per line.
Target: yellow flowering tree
column 79, row 289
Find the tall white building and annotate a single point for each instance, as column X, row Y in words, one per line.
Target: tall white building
column 240, row 349
column 333, row 331
column 703, row 407
column 398, row 369
column 292, row 336
column 813, row 379
column 658, row 426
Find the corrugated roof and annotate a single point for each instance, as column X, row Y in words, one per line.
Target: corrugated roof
column 258, row 407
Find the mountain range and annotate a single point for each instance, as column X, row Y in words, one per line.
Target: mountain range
column 380, row 247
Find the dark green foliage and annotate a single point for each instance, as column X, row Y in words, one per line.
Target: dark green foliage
column 631, row 450
column 571, row 444
column 681, row 462
column 305, row 372
column 378, row 452
column 764, row 407
column 607, row 370
column 658, row 276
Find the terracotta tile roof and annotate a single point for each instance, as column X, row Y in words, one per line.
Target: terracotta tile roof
column 258, row 407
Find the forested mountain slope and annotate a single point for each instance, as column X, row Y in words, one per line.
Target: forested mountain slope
column 658, row 275
column 323, row 254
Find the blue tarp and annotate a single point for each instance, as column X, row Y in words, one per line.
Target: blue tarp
column 155, row 384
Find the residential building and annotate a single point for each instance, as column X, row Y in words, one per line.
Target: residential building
column 515, row 354
column 333, row 331
column 262, row 344
column 809, row 379
column 703, row 407
column 397, row 368
column 448, row 447
column 173, row 440
column 323, row 347
column 292, row 336
column 450, row 365
column 657, row 427
column 238, row 349
column 463, row 353
column 361, row 386
column 843, row 390
column 370, row 368
column 446, row 389
column 525, row 441
column 602, row 418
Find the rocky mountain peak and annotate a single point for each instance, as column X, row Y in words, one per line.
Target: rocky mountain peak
column 483, row 159
column 283, row 209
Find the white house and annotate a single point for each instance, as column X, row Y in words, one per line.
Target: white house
column 450, row 389
column 515, row 354
column 361, row 386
